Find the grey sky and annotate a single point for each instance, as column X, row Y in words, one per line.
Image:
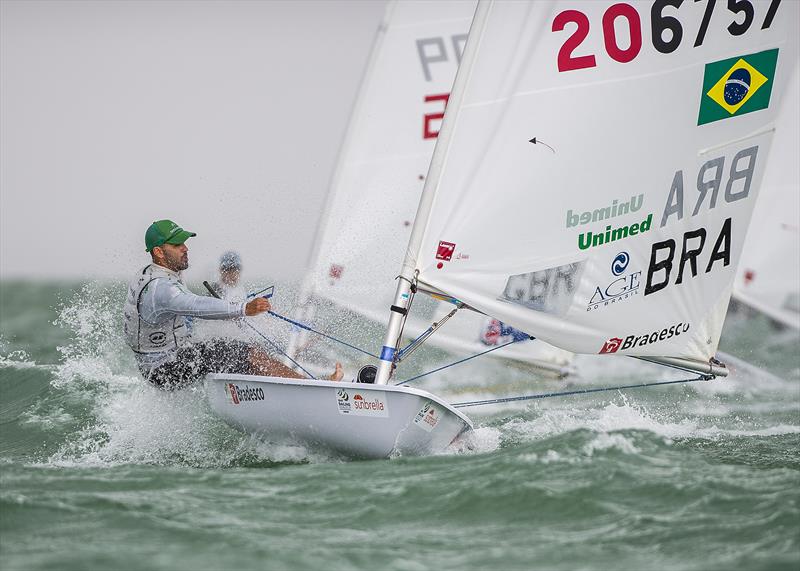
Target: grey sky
column 226, row 117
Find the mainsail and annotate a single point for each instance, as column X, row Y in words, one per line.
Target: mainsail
column 768, row 278
column 621, row 147
column 380, row 174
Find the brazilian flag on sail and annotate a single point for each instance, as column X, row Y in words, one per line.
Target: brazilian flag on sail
column 736, row 86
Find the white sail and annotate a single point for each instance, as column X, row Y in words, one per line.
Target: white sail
column 380, row 175
column 768, row 278
column 621, row 147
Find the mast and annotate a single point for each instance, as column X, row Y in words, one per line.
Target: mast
column 399, row 309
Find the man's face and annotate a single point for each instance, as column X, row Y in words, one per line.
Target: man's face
column 176, row 258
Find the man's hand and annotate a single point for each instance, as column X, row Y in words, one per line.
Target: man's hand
column 256, row 306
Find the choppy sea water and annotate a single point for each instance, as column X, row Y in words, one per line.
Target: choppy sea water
column 99, row 471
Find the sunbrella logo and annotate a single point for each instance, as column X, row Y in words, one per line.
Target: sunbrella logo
column 374, row 404
column 362, row 403
column 238, row 395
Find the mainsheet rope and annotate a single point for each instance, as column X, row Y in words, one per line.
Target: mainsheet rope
column 307, row 328
column 274, row 345
column 578, row 392
column 460, row 361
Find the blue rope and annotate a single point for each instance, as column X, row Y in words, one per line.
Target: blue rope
column 307, row 328
column 577, row 392
column 411, row 345
column 214, row 293
column 461, row 361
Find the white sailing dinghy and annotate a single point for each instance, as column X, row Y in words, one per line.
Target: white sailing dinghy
column 375, row 190
column 768, row 279
column 615, row 159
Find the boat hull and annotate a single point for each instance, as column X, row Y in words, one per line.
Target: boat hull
column 352, row 419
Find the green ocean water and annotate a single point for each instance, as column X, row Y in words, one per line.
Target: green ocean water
column 100, row 471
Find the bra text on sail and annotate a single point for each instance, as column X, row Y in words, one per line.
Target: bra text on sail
column 709, row 181
column 693, row 242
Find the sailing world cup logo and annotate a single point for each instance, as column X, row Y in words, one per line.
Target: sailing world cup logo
column 620, row 263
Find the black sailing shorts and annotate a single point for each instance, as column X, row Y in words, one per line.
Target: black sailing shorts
column 195, row 361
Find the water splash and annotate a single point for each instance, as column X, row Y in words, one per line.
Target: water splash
column 128, row 421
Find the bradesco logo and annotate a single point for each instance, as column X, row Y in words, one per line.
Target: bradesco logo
column 620, row 289
column 238, row 394
column 616, row 344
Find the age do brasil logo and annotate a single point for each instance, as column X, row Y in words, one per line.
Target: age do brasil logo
column 238, row 395
column 620, row 263
column 623, row 285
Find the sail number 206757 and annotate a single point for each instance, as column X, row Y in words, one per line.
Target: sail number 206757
column 666, row 28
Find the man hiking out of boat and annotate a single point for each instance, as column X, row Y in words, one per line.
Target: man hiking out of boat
column 158, row 315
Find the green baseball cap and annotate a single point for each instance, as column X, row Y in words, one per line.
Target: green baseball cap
column 165, row 232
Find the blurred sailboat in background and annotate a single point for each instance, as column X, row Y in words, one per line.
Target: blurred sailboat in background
column 376, row 187
column 768, row 278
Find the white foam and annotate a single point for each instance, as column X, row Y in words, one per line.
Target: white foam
column 479, row 441
column 133, row 421
column 605, row 441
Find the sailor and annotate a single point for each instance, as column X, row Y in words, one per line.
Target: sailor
column 230, row 269
column 158, row 313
